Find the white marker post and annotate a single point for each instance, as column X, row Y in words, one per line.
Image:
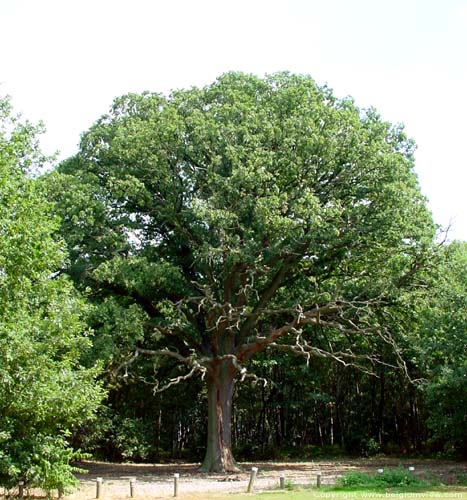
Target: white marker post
column 282, row 481
column 254, row 471
column 98, row 487
column 132, row 486
column 21, row 489
column 176, row 478
column 318, row 479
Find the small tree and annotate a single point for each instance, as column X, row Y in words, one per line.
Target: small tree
column 251, row 214
column 44, row 390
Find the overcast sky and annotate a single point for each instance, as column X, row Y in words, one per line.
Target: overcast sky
column 63, row 61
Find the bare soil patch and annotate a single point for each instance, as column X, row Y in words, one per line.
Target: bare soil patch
column 156, row 480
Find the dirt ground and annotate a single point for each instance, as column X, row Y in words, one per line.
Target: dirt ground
column 157, row 480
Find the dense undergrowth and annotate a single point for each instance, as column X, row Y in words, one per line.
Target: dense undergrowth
column 391, row 478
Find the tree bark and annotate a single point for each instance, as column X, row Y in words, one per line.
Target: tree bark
column 220, row 385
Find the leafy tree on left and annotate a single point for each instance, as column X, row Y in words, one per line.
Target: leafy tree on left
column 45, row 392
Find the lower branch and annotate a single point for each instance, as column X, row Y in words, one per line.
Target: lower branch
column 345, row 358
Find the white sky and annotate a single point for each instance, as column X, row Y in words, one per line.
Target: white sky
column 63, row 61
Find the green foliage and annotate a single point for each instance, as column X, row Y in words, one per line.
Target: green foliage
column 440, row 345
column 132, row 439
column 137, row 428
column 215, row 191
column 42, row 460
column 45, row 392
column 358, row 443
column 213, row 224
column 390, row 478
column 289, row 485
column 447, row 402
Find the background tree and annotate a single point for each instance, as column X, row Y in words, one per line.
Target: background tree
column 250, row 215
column 440, row 344
column 45, row 392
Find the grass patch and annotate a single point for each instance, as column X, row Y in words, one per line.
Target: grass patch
column 440, row 493
column 392, row 484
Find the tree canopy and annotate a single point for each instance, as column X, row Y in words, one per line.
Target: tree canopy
column 248, row 215
column 45, row 392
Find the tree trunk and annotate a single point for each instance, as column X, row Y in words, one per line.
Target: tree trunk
column 220, row 384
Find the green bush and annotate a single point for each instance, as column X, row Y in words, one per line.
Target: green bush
column 133, row 439
column 359, row 444
column 40, row 461
column 392, row 478
column 289, row 485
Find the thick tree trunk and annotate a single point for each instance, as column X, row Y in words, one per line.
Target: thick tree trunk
column 220, row 382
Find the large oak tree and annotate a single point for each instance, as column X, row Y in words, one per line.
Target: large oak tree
column 251, row 214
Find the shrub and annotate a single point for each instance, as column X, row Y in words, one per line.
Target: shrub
column 392, row 478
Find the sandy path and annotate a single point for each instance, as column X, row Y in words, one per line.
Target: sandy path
column 156, row 481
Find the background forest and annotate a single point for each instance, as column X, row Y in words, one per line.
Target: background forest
column 259, row 249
